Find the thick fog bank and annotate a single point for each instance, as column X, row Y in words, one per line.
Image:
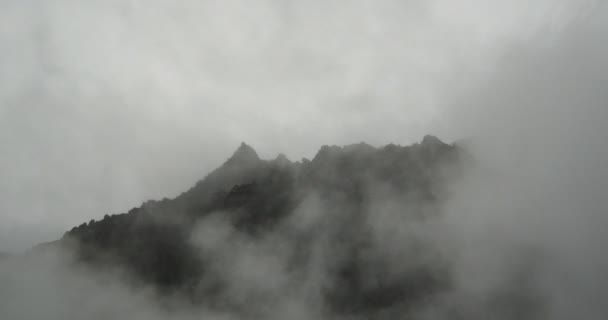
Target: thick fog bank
column 520, row 236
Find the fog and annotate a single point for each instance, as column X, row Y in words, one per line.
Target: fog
column 104, row 105
column 538, row 126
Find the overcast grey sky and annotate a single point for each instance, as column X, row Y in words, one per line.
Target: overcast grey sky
column 105, row 104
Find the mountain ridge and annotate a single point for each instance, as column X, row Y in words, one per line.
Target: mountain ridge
column 258, row 198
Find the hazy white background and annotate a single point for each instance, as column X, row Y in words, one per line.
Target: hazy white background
column 104, row 104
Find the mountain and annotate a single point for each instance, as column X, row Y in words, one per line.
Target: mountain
column 311, row 218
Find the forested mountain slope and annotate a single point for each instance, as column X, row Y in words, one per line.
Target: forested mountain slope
column 320, row 227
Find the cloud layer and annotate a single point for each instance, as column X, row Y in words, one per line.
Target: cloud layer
column 106, row 104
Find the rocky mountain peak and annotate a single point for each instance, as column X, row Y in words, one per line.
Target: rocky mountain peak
column 244, row 154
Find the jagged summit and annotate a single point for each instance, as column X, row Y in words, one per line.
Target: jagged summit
column 327, row 152
column 244, row 154
column 265, row 199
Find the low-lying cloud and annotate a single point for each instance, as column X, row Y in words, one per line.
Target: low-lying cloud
column 521, row 235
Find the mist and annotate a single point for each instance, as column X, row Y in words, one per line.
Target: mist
column 538, row 128
column 113, row 103
column 106, row 105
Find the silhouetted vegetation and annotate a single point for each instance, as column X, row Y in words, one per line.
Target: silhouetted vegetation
column 154, row 242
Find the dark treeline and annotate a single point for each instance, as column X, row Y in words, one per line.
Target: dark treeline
column 255, row 197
